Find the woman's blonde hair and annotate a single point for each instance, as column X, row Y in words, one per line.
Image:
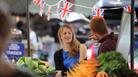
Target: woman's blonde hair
column 74, row 44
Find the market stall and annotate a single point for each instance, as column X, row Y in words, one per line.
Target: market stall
column 110, row 64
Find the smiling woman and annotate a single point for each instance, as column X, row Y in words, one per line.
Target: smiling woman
column 72, row 50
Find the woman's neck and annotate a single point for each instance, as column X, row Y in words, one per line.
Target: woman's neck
column 66, row 47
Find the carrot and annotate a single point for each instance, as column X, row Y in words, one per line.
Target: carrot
column 102, row 74
column 84, row 69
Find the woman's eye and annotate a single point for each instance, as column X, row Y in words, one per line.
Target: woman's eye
column 65, row 33
column 69, row 32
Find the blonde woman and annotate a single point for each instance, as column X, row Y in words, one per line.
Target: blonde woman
column 72, row 50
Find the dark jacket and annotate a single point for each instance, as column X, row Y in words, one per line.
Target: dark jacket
column 59, row 65
column 108, row 43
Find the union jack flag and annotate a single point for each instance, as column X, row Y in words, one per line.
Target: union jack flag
column 48, row 12
column 65, row 10
column 59, row 6
column 97, row 12
column 127, row 8
column 37, row 2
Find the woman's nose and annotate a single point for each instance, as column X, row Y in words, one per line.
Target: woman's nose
column 68, row 34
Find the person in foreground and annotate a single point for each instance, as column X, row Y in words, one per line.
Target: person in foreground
column 71, row 53
column 99, row 32
column 6, row 69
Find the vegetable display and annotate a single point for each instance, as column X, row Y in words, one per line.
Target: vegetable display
column 115, row 65
column 110, row 64
column 40, row 67
column 102, row 74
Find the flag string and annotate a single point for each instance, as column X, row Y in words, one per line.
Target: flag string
column 53, row 5
column 62, row 2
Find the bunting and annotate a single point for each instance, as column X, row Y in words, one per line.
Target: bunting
column 49, row 12
column 66, row 9
column 60, row 5
column 127, row 8
column 42, row 6
column 63, row 8
column 97, row 12
column 37, row 2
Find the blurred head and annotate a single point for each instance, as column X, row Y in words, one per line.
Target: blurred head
column 98, row 26
column 4, row 29
column 66, row 36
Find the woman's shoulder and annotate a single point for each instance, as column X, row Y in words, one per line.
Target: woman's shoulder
column 58, row 52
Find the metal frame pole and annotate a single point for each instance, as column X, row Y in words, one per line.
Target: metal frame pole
column 132, row 35
column 28, row 26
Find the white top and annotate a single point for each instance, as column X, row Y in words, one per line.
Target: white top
column 33, row 40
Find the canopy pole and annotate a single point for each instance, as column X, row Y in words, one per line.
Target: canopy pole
column 132, row 35
column 28, row 26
